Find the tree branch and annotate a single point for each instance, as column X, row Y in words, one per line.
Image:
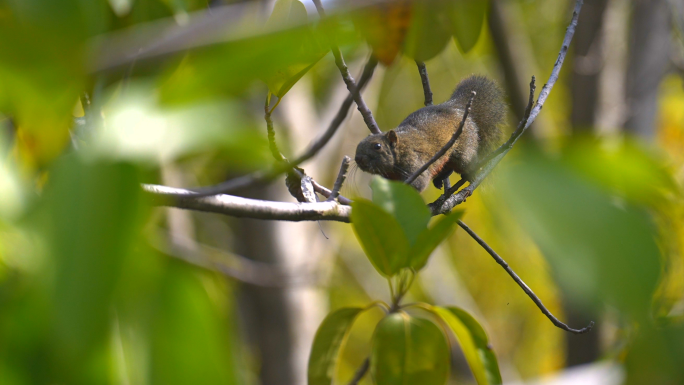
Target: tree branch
column 446, row 202
column 349, row 80
column 447, row 146
column 522, row 284
column 261, row 177
column 319, row 143
column 341, row 176
column 248, row 208
column 426, row 83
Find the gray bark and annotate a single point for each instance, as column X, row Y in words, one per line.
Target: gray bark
column 649, row 47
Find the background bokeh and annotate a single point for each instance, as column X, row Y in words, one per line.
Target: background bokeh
column 98, row 286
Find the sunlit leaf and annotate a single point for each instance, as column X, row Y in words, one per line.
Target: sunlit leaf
column 429, row 33
column 429, row 239
column 474, row 344
column 229, row 68
column 409, row 350
column 327, row 343
column 467, row 17
column 139, row 129
column 404, row 203
column 293, row 12
column 381, row 237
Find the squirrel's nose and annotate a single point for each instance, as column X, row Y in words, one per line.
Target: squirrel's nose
column 358, row 159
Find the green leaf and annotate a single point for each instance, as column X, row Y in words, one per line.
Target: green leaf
column 480, row 340
column 429, row 239
column 381, row 237
column 287, row 13
column 272, row 56
column 404, row 203
column 91, row 218
column 603, row 249
column 428, row 33
column 467, row 17
column 409, row 350
column 139, row 129
column 327, row 343
column 191, row 341
column 655, row 356
column 614, row 166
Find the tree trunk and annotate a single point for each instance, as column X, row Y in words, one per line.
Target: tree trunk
column 649, row 47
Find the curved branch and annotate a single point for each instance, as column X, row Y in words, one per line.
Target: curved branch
column 522, row 284
column 248, row 208
column 349, row 80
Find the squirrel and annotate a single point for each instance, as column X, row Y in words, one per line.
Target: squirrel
column 398, row 153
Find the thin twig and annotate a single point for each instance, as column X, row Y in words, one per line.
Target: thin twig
column 426, row 82
column 261, row 177
column 445, row 203
column 447, row 146
column 519, row 131
column 318, row 144
column 248, row 208
column 522, row 284
column 341, row 176
column 327, row 192
column 360, row 372
column 349, row 80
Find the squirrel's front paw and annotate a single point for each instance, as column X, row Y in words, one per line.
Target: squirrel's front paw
column 438, row 183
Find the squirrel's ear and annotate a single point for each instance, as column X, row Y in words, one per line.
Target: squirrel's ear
column 392, row 137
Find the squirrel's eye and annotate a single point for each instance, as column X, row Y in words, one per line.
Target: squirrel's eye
column 377, row 146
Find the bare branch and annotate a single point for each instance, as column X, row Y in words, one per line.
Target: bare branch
column 248, row 208
column 447, row 146
column 522, row 284
column 426, row 83
column 446, row 203
column 341, row 176
column 318, row 144
column 326, row 193
column 349, row 80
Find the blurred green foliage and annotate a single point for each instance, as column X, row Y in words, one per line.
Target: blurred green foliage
column 85, row 299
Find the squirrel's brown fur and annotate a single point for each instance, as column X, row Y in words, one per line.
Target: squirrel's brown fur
column 398, row 153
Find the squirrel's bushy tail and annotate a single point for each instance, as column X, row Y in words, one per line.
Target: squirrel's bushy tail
column 488, row 110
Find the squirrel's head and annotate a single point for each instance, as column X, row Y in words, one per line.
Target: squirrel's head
column 375, row 154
